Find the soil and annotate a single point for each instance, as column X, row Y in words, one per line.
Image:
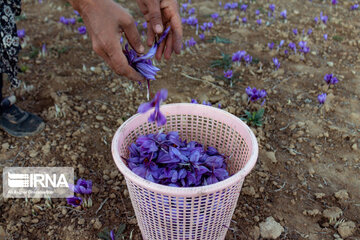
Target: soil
column 308, row 153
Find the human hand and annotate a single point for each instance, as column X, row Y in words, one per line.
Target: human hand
column 106, row 21
column 158, row 14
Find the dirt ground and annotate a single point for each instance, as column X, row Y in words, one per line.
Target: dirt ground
column 307, row 174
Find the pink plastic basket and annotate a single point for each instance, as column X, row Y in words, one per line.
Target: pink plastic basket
column 205, row 212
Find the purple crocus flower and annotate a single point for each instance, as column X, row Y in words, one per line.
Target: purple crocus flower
column 257, row 12
column 215, row 16
column 322, row 98
column 292, row 46
column 271, row 45
column 295, row 31
column 184, row 6
column 202, row 36
column 76, row 13
column 323, row 18
column 354, row 7
column 248, row 59
column 192, row 21
column 64, row 20
column 281, row 43
column 243, row 7
column 334, row 2
column 234, row 5
column 238, row 56
column 194, row 101
column 244, row 20
column 72, row 21
column 276, row 63
column 191, row 11
column 325, row 36
column 82, row 30
column 227, row 6
column 331, row 79
column 112, row 235
column 156, row 116
column 74, row 201
column 21, row 33
column 272, row 7
column 144, row 25
column 143, row 63
column 82, row 186
column 228, row 74
column 316, row 19
column 255, row 94
column 259, row 21
column 303, row 47
column 190, row 43
column 309, row 31
column 283, row 14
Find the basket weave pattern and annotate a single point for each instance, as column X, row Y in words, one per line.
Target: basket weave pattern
column 204, row 212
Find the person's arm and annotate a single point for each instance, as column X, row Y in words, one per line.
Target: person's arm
column 105, row 21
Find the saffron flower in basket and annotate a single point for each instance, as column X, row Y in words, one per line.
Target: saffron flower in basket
column 143, row 63
column 166, row 159
column 156, row 116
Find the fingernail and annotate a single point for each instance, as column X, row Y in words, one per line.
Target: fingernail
column 158, row 28
column 141, row 49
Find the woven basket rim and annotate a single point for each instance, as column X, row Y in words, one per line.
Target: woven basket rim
column 185, row 191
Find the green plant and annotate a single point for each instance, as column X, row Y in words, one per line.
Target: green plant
column 23, row 68
column 338, row 38
column 224, row 63
column 217, row 39
column 34, row 52
column 105, row 233
column 254, row 118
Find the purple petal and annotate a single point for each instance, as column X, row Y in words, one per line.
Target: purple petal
column 144, row 107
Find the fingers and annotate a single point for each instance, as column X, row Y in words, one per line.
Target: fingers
column 133, row 36
column 177, row 31
column 155, row 16
column 150, row 37
column 169, row 46
column 160, row 51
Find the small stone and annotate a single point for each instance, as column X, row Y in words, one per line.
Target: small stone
column 126, row 193
column 133, row 221
column 36, row 200
column 255, row 233
column 354, row 147
column 112, row 195
column 81, row 221
column 271, row 156
column 33, row 153
column 2, row 233
column 113, row 174
column 99, row 118
column 342, row 195
column 332, row 214
column 95, row 189
column 319, row 195
column 97, row 224
column 221, row 83
column 270, row 229
column 120, row 121
column 5, row 146
column 64, row 211
column 250, row 191
column 106, row 177
column 330, row 64
column 347, row 229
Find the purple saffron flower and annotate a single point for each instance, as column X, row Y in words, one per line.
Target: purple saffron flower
column 309, row 31
column 227, row 6
column 322, row 98
column 283, row 14
column 292, row 46
column 244, row 20
column 82, row 186
column 82, row 30
column 219, row 105
column 323, row 18
column 259, row 21
column 325, row 36
column 43, row 50
column 190, row 43
column 228, row 74
column 276, row 63
column 112, row 235
column 202, row 36
column 194, row 101
column 72, row 21
column 192, row 21
column 210, row 25
column 354, row 7
column 255, row 94
column 334, row 2
column 272, row 7
column 303, row 47
column 295, row 31
column 144, row 25
column 316, row 19
column 184, row 6
column 271, row 45
column 331, row 79
column 74, row 201
column 191, row 11
column 248, row 59
column 286, row 52
column 76, row 13
column 234, row 5
column 238, row 56
column 64, row 20
column 143, row 63
column 243, row 7
column 257, row 12
column 281, row 43
column 215, row 16
column 156, row 116
column 21, row 33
